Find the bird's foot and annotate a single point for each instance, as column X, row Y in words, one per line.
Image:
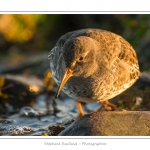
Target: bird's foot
column 107, row 106
column 104, row 104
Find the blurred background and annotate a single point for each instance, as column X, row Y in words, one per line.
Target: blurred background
column 27, row 88
column 26, row 36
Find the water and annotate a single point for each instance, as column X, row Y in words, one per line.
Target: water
column 40, row 119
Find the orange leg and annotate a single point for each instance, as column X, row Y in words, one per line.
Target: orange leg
column 107, row 105
column 81, row 112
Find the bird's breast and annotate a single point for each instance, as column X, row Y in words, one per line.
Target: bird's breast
column 81, row 89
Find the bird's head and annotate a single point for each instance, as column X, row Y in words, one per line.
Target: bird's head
column 80, row 58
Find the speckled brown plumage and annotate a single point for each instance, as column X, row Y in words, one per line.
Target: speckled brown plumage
column 103, row 64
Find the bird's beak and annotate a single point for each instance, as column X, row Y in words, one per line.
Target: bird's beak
column 68, row 73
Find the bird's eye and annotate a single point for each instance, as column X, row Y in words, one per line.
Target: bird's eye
column 80, row 58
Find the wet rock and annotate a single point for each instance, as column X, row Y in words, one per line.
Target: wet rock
column 111, row 123
column 28, row 111
column 54, row 130
column 32, row 83
column 17, row 91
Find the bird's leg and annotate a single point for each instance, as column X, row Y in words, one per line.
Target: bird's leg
column 107, row 105
column 81, row 112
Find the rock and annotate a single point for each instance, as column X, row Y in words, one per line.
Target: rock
column 139, row 91
column 28, row 112
column 110, row 123
column 27, row 62
column 17, row 91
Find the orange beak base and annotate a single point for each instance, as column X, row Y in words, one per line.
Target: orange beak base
column 68, row 73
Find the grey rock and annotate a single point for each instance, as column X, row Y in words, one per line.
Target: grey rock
column 110, row 123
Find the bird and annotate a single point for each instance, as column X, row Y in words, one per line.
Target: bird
column 93, row 65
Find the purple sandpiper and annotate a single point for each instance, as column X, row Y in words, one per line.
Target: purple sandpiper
column 93, row 65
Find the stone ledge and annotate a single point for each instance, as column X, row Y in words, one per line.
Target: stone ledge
column 111, row 123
